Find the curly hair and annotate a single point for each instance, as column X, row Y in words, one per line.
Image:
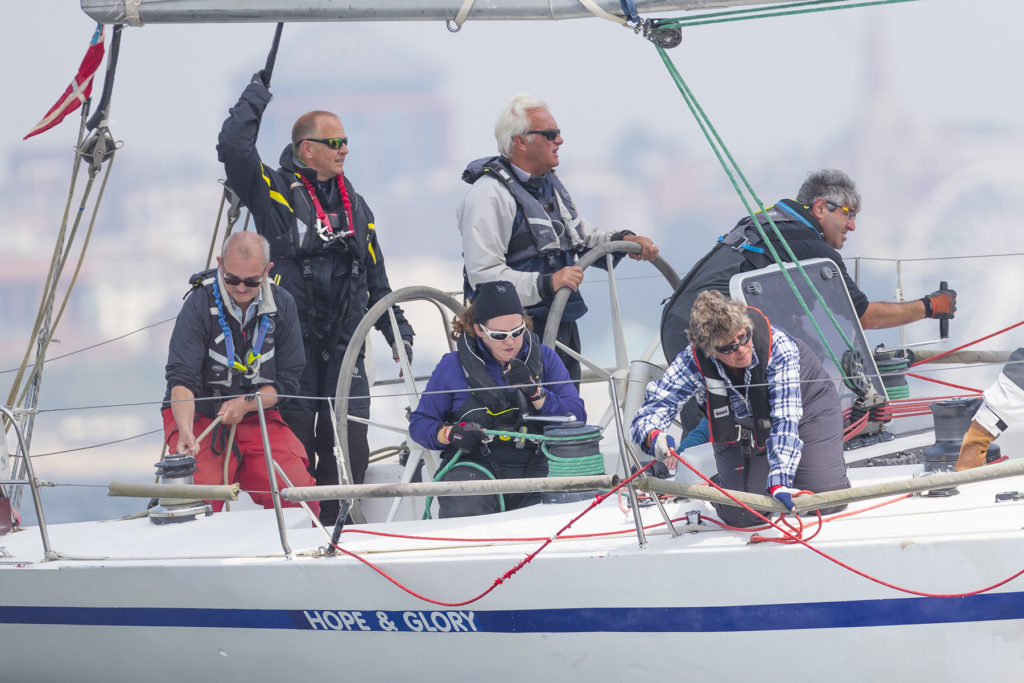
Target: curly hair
column 714, row 320
column 463, row 323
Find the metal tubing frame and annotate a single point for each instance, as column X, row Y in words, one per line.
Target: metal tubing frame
column 448, row 488
column 640, row 535
column 272, row 475
column 31, row 481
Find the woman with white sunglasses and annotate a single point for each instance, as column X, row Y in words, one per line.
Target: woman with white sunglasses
column 498, row 375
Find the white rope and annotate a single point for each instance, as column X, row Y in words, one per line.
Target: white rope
column 594, row 9
column 131, row 12
column 460, row 17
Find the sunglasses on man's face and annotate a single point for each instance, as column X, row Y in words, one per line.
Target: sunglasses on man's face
column 732, row 348
column 550, row 133
column 234, row 281
column 333, row 143
column 502, row 336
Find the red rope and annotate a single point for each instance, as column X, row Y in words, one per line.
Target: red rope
column 507, row 575
column 947, row 384
column 964, row 346
column 790, row 534
column 828, row 557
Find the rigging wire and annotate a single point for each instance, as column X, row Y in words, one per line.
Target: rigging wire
column 783, row 10
column 98, row 344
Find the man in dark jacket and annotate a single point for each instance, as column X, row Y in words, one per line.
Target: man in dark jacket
column 325, row 248
column 814, row 226
column 237, row 335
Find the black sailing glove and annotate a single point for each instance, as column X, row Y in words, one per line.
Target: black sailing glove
column 467, row 436
column 516, row 372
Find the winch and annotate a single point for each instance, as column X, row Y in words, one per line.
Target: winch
column 177, row 468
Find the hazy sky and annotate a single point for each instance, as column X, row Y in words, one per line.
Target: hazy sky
column 954, row 61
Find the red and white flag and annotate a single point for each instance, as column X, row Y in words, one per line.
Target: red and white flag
column 78, row 91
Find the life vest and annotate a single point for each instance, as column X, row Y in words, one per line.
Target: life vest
column 740, row 250
column 541, row 230
column 723, row 425
column 237, row 364
column 493, row 406
column 545, row 237
column 342, row 256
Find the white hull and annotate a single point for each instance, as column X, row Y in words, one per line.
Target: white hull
column 219, row 605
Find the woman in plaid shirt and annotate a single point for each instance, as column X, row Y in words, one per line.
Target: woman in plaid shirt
column 773, row 412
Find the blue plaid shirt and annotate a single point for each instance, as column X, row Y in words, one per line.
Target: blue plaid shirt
column 683, row 380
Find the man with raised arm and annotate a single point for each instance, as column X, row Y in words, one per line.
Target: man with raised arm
column 814, row 225
column 325, row 248
column 236, row 341
column 518, row 222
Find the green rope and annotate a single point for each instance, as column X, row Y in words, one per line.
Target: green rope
column 581, row 466
column 716, row 142
column 538, row 437
column 451, row 464
column 811, row 6
column 898, row 392
column 557, row 466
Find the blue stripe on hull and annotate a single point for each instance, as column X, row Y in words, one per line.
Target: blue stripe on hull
column 796, row 616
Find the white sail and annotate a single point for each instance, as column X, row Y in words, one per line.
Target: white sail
column 137, row 12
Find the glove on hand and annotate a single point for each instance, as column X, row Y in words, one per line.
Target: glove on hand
column 659, row 470
column 661, row 444
column 407, row 343
column 940, row 304
column 261, row 77
column 974, row 447
column 467, row 435
column 785, row 495
column 516, row 372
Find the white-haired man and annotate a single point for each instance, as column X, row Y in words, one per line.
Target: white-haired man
column 518, row 222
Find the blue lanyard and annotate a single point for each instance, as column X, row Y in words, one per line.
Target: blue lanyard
column 229, row 339
column 800, row 218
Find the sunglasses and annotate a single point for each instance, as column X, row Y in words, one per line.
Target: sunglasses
column 732, row 348
column 234, row 281
column 502, row 336
column 550, row 133
column 333, row 143
column 850, row 213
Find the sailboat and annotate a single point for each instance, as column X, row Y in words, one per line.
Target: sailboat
column 635, row 583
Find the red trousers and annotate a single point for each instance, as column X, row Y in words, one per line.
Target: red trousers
column 250, row 471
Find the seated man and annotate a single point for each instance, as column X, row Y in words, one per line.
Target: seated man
column 465, row 395
column 1003, row 405
column 236, row 335
column 773, row 413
